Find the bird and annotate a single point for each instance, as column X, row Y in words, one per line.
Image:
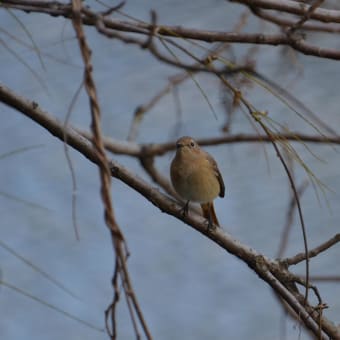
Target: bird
column 195, row 177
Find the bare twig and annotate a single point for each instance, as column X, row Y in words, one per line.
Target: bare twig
column 295, row 305
column 70, row 164
column 325, row 278
column 23, row 61
column 306, row 16
column 37, row 269
column 179, row 78
column 280, row 21
column 289, row 220
column 257, row 118
column 50, row 306
column 104, row 170
column 294, row 7
column 148, row 165
column 313, row 252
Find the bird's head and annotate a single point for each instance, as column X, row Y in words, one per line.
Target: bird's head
column 186, row 145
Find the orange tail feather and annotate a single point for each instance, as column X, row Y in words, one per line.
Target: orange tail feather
column 209, row 213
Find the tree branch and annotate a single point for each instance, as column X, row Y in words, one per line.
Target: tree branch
column 294, row 7
column 269, row 270
column 134, row 149
column 89, row 17
column 313, row 252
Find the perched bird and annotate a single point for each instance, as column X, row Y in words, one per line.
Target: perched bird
column 196, row 177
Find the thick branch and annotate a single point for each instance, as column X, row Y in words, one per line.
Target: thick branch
column 149, row 150
column 269, row 270
column 91, row 18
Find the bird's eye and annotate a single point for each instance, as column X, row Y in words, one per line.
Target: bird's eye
column 192, row 144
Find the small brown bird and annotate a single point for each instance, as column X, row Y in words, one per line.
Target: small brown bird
column 196, row 177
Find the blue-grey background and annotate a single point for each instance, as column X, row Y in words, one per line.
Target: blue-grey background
column 187, row 286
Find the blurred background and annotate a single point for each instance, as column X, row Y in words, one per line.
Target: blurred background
column 187, row 286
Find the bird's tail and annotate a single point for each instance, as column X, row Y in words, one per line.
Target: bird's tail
column 209, row 213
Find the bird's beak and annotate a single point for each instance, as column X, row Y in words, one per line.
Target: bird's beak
column 179, row 145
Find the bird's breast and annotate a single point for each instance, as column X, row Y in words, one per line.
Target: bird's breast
column 195, row 179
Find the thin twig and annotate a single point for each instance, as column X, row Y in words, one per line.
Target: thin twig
column 104, row 170
column 38, row 270
column 313, row 252
column 325, row 278
column 306, row 16
column 284, row 22
column 70, row 164
column 289, row 220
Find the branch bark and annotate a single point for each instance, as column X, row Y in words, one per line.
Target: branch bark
column 276, row 275
column 313, row 252
column 294, row 7
column 55, row 8
column 134, row 149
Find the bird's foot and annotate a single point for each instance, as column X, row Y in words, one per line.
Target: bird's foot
column 185, row 210
column 210, row 225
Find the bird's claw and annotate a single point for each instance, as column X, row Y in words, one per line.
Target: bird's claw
column 184, row 211
column 210, row 225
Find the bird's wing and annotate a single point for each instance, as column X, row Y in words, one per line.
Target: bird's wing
column 218, row 174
